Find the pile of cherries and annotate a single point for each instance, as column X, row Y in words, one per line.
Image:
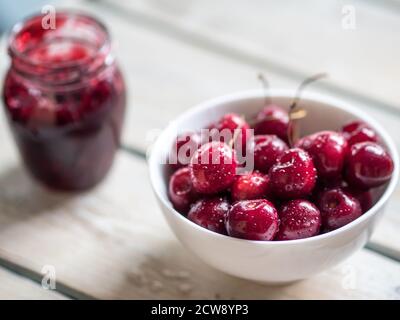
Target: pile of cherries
column 298, row 189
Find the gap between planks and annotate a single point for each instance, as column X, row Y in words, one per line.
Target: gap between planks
column 196, row 39
column 15, row 287
column 26, row 273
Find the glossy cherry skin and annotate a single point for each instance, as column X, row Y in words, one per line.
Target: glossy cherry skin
column 210, row 213
column 294, row 175
column 369, row 165
column 358, row 131
column 213, row 168
column 328, row 149
column 227, row 125
column 181, row 191
column 266, row 150
column 364, row 197
column 253, row 220
column 338, row 208
column 299, row 219
column 184, row 148
column 272, row 120
column 253, row 185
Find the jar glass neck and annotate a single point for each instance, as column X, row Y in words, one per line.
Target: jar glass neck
column 76, row 48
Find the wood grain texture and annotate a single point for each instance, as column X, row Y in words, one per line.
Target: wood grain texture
column 292, row 37
column 114, row 243
column 13, row 287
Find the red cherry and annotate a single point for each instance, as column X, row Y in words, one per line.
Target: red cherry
column 328, row 150
column 181, row 191
column 210, row 214
column 250, row 186
column 184, row 147
column 266, row 150
column 213, row 168
column 358, row 131
column 272, row 120
column 95, row 96
column 323, row 185
column 19, row 101
column 253, row 220
column 294, row 175
column 299, row 219
column 369, row 165
column 364, row 197
column 338, row 208
column 227, row 125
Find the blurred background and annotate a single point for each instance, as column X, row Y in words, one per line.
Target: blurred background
column 353, row 40
column 12, row 11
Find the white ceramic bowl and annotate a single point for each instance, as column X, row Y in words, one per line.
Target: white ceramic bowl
column 269, row 261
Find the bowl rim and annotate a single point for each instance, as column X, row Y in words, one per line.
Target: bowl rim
column 334, row 102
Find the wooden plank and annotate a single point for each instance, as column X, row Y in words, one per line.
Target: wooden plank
column 294, row 38
column 114, row 243
column 15, row 287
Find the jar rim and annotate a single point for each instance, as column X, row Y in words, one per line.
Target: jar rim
column 103, row 47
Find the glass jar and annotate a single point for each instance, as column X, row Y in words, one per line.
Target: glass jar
column 65, row 100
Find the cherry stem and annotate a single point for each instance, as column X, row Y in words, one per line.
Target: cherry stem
column 303, row 85
column 293, row 130
column 266, row 87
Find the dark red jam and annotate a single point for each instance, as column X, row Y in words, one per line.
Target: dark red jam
column 65, row 100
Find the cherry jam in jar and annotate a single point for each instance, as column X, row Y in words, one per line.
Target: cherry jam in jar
column 65, row 100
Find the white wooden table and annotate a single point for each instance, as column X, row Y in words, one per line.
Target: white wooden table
column 113, row 242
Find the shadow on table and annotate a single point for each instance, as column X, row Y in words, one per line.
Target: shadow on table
column 22, row 198
column 172, row 272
